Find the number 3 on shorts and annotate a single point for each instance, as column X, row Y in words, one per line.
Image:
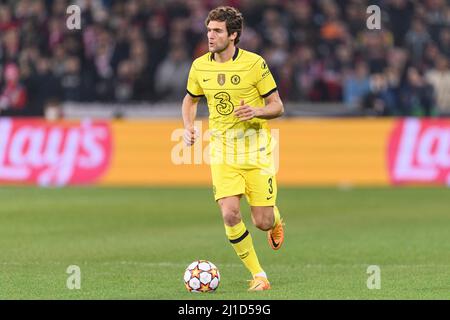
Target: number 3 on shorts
column 270, row 185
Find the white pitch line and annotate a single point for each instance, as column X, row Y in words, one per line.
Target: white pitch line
column 232, row 265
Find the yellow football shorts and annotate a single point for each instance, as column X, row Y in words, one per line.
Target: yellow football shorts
column 256, row 181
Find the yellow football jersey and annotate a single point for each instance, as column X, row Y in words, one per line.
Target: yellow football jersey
column 244, row 77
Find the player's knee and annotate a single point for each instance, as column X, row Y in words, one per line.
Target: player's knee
column 230, row 213
column 263, row 224
column 231, row 216
column 262, row 218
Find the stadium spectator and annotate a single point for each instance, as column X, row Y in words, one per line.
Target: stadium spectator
column 71, row 80
column 312, row 47
column 11, row 44
column 400, row 13
column 307, row 71
column 416, row 95
column 172, row 74
column 439, row 77
column 103, row 62
column 416, row 40
column 302, row 27
column 357, row 86
column 381, row 99
column 43, row 86
column 6, row 19
column 13, row 96
column 124, row 89
column 444, row 41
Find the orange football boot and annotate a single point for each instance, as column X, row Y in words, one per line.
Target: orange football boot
column 275, row 236
column 259, row 284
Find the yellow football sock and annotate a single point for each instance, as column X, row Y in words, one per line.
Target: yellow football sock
column 242, row 243
column 277, row 217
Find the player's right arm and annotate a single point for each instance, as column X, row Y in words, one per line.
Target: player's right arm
column 189, row 112
column 189, row 107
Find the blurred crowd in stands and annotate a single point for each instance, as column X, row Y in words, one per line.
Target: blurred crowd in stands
column 142, row 50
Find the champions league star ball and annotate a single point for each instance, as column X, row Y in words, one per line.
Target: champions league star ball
column 201, row 276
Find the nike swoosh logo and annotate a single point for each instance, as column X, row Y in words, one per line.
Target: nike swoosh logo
column 274, row 243
column 257, row 286
column 268, row 198
column 204, row 80
column 245, row 255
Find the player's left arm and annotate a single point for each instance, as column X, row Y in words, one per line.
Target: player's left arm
column 273, row 109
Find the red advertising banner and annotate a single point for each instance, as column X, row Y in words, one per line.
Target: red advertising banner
column 53, row 154
column 419, row 152
column 312, row 152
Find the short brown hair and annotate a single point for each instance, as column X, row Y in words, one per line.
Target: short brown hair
column 232, row 17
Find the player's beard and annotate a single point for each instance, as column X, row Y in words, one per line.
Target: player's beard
column 219, row 50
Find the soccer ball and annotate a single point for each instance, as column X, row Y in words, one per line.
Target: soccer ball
column 201, row 276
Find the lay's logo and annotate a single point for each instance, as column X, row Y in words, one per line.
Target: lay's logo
column 419, row 152
column 53, row 154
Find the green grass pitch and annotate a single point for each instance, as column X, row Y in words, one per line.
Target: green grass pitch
column 135, row 243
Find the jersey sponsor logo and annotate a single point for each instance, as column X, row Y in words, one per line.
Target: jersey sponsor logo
column 235, row 79
column 265, row 74
column 263, row 65
column 223, row 103
column 53, row 154
column 205, row 80
column 221, row 79
column 419, row 152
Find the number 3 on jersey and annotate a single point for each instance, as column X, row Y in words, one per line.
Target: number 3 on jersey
column 223, row 103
